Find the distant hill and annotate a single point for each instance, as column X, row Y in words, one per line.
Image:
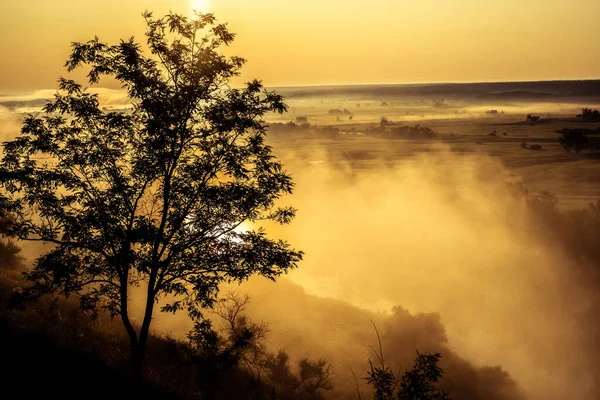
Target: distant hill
column 588, row 90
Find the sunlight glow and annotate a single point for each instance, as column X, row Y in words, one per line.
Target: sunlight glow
column 201, row 5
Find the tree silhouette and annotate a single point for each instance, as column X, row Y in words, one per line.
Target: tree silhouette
column 532, row 119
column 588, row 114
column 419, row 382
column 575, row 139
column 154, row 195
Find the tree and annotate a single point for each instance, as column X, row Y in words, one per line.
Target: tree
column 239, row 346
column 154, row 195
column 532, row 119
column 588, row 114
column 419, row 383
column 574, row 139
column 310, row 382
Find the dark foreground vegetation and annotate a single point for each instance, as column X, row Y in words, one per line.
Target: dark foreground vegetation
column 69, row 353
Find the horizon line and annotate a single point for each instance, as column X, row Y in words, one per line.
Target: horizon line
column 331, row 85
column 432, row 83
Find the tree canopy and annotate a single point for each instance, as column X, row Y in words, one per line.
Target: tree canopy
column 153, row 195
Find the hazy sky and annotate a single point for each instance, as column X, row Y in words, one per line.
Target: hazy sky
column 303, row 42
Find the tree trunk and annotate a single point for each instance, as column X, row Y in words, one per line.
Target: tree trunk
column 137, row 363
column 139, row 352
column 136, row 357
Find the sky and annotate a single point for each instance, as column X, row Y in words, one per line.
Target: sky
column 316, row 42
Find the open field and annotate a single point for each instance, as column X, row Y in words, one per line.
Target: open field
column 464, row 124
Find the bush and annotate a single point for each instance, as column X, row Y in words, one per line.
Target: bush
column 587, row 114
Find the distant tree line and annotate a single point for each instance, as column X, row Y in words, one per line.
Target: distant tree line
column 587, row 114
column 338, row 111
column 385, row 130
column 401, row 132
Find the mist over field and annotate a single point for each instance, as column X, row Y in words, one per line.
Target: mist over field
column 425, row 237
column 442, row 239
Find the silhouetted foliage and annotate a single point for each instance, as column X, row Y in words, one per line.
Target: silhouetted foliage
column 401, row 132
column 154, row 195
column 575, row 139
column 415, row 384
column 419, row 382
column 10, row 260
column 576, row 230
column 61, row 346
column 312, row 380
column 338, row 112
column 532, row 119
column 383, row 381
column 587, row 114
column 291, row 130
column 9, row 256
column 239, row 345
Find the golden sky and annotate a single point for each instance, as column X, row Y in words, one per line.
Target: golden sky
column 306, row 42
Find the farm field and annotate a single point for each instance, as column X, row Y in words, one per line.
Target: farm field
column 462, row 125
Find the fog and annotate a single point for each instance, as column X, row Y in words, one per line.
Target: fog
column 440, row 234
column 440, row 254
column 442, row 239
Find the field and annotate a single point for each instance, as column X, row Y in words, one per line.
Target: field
column 466, row 122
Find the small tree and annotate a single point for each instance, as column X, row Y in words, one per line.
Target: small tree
column 532, row 119
column 419, row 383
column 155, row 195
column 239, row 344
column 574, row 139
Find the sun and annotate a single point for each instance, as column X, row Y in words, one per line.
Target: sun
column 201, row 5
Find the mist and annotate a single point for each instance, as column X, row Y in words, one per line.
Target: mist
column 434, row 248
column 434, row 234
